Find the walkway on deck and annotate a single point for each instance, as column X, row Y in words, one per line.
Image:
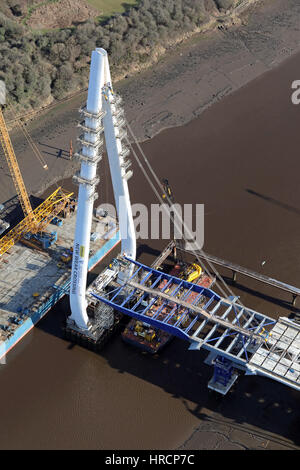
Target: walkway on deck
column 235, row 268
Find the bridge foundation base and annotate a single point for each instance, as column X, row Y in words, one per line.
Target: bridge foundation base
column 224, row 375
column 102, row 327
column 221, row 388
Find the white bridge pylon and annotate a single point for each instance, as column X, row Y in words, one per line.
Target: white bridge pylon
column 101, row 114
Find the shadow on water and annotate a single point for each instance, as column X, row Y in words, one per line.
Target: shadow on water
column 253, row 401
column 292, row 209
column 146, row 249
column 268, row 298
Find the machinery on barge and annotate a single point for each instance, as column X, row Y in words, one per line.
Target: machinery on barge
column 141, row 334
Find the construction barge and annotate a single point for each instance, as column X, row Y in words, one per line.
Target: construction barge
column 33, row 280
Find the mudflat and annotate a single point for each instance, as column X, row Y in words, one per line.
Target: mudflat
column 187, row 80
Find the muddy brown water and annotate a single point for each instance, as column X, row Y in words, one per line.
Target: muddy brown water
column 241, row 159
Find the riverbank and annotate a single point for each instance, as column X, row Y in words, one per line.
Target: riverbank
column 185, row 82
column 206, row 68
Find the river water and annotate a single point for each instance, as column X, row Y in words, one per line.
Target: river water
column 241, row 159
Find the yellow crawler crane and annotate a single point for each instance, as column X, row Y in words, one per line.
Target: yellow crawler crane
column 193, row 272
column 42, row 216
column 35, row 220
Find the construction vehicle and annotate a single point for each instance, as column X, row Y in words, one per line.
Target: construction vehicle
column 192, row 272
column 35, row 221
column 144, row 330
column 57, row 221
column 66, row 257
column 43, row 215
column 42, row 240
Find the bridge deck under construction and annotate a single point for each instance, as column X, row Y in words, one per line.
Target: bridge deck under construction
column 251, row 341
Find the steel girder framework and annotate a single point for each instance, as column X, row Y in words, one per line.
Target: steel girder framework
column 251, row 341
column 191, row 312
column 43, row 215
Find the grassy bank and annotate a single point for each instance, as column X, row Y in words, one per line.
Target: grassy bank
column 43, row 66
column 110, row 7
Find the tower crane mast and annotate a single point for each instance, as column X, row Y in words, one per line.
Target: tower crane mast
column 34, row 220
column 14, row 168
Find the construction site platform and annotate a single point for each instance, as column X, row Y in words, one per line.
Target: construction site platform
column 32, row 281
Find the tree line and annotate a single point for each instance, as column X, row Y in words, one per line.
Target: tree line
column 38, row 67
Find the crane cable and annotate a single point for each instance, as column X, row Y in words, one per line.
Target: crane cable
column 205, row 269
column 29, row 139
column 162, row 201
column 159, row 196
column 186, row 229
column 31, row 142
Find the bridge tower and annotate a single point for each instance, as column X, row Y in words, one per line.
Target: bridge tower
column 102, row 114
